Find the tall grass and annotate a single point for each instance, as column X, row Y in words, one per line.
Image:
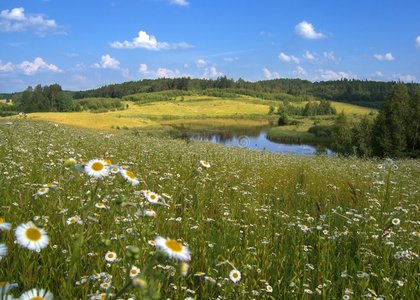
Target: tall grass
column 294, row 227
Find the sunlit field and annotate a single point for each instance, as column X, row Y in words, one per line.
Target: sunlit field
column 165, row 218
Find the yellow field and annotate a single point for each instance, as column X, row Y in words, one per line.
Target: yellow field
column 155, row 114
column 193, row 110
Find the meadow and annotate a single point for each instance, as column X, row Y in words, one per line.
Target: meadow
column 240, row 224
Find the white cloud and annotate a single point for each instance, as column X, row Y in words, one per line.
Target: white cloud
column 387, row 57
column 16, row 20
column 231, row 59
column 143, row 69
column 378, row 74
column 31, row 68
column 179, row 2
column 407, row 78
column 309, row 56
column 288, row 58
column 300, row 72
column 418, row 41
column 167, row 73
column 331, row 75
column 7, row 67
column 148, row 42
column 306, row 30
column 107, row 62
column 212, row 72
column 330, row 56
column 270, row 74
column 201, row 63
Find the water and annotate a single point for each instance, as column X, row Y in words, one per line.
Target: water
column 255, row 139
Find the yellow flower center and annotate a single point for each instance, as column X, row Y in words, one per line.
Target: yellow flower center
column 174, row 245
column 33, row 234
column 108, row 161
column 37, row 298
column 153, row 197
column 97, row 166
column 235, row 275
column 3, row 283
column 110, row 255
column 133, row 271
column 1, row 220
column 42, row 190
column 72, row 220
column 130, row 174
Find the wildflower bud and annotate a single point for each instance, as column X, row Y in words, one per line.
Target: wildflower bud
column 106, row 242
column 139, row 283
column 70, row 162
column 184, row 267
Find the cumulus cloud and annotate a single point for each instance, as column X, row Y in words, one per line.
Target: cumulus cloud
column 107, row 62
column 167, row 73
column 384, row 57
column 212, row 72
column 148, row 42
column 31, row 68
column 332, row 75
column 143, row 69
column 7, row 67
column 201, row 63
column 300, row 72
column 179, row 2
column 288, row 58
column 270, row 74
column 407, row 78
column 330, row 56
column 307, row 31
column 16, row 20
column 418, row 41
column 309, row 56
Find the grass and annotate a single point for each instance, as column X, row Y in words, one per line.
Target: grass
column 295, row 227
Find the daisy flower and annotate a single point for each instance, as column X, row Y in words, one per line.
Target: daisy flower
column 152, row 197
column 74, row 220
column 4, row 225
column 97, row 168
column 35, row 294
column 114, row 169
column 42, row 191
column 3, row 250
column 396, row 221
column 129, row 176
column 105, row 285
column 100, row 205
column 134, row 271
column 235, row 275
column 205, row 163
column 110, row 256
column 5, row 287
column 31, row 237
column 173, row 249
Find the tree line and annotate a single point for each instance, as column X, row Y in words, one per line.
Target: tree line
column 395, row 132
column 361, row 92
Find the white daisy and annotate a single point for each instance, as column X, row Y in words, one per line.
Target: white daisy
column 235, row 275
column 42, row 191
column 35, row 294
column 134, row 271
column 129, row 176
column 152, row 197
column 173, row 249
column 4, row 225
column 205, row 163
column 5, row 287
column 396, row 221
column 110, row 256
column 31, row 237
column 74, row 220
column 115, row 169
column 100, row 205
column 97, row 168
column 3, row 250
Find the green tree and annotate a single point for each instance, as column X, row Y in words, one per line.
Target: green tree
column 391, row 128
column 342, row 135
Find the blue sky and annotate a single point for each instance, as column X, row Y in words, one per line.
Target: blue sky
column 86, row 44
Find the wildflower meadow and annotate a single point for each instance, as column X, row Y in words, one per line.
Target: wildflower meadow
column 99, row 215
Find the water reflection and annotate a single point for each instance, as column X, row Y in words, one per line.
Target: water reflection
column 253, row 138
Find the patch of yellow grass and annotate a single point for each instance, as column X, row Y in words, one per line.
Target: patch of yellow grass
column 352, row 109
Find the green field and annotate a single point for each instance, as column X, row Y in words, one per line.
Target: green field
column 294, row 227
